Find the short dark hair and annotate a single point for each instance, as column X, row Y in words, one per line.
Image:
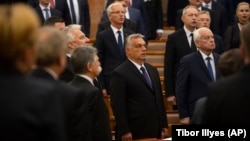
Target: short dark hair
column 230, row 62
column 52, row 20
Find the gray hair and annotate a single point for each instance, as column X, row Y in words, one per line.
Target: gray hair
column 81, row 57
column 68, row 31
column 50, row 45
column 109, row 9
column 197, row 33
column 187, row 7
column 204, row 12
column 132, row 36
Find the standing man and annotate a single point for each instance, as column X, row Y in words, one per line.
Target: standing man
column 195, row 71
column 178, row 45
column 228, row 99
column 204, row 20
column 136, row 95
column 86, row 66
column 51, row 61
column 75, row 38
column 29, row 107
column 110, row 44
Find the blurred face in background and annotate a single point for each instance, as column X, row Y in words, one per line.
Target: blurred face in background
column 243, row 13
column 203, row 20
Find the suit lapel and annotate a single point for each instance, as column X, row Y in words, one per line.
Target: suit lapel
column 202, row 64
column 138, row 73
column 183, row 37
column 112, row 38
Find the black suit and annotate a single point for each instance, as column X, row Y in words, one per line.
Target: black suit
column 68, row 73
column 154, row 19
column 109, row 54
column 177, row 46
column 137, row 107
column 30, row 109
column 97, row 114
column 53, row 12
column 73, row 105
column 232, row 37
column 179, row 23
column 228, row 100
column 128, row 24
column 191, row 81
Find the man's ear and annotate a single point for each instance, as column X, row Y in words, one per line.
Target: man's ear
column 89, row 67
column 71, row 45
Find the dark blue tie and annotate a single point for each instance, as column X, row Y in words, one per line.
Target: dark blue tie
column 72, row 11
column 46, row 13
column 147, row 78
column 209, row 67
column 120, row 43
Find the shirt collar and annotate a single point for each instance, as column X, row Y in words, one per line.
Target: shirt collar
column 87, row 77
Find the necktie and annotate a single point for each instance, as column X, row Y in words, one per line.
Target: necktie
column 193, row 48
column 97, row 84
column 52, row 3
column 46, row 13
column 147, row 78
column 120, row 43
column 209, row 67
column 73, row 14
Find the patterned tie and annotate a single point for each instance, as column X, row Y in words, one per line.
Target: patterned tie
column 146, row 76
column 46, row 13
column 120, row 43
column 209, row 67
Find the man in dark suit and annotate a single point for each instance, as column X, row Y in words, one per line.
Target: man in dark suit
column 60, row 5
column 195, row 71
column 204, row 20
column 128, row 24
column 198, row 5
column 86, row 65
column 110, row 44
column 132, row 14
column 44, row 11
column 75, row 38
column 51, row 61
column 136, row 95
column 233, row 89
column 178, row 45
column 230, row 62
column 76, row 12
column 220, row 16
column 30, row 108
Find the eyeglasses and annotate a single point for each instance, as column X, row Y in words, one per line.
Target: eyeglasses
column 118, row 12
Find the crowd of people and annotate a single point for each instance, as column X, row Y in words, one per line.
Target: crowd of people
column 53, row 84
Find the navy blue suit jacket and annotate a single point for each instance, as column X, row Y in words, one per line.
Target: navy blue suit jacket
column 191, row 82
column 109, row 53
